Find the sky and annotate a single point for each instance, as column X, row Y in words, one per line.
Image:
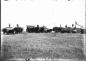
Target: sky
column 49, row 13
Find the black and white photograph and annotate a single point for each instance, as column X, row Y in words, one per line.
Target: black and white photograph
column 43, row 30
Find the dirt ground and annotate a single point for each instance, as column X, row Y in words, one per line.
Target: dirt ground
column 43, row 45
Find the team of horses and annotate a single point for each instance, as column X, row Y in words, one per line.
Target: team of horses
column 42, row 29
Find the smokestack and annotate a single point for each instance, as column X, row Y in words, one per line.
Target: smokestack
column 17, row 25
column 75, row 24
column 65, row 26
column 60, row 25
column 72, row 25
column 38, row 26
column 9, row 25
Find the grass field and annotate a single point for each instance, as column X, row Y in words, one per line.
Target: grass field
column 43, row 45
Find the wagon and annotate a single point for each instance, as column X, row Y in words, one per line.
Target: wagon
column 8, row 30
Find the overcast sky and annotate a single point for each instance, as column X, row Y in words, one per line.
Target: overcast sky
column 42, row 12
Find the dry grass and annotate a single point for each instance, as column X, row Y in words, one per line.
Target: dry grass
column 42, row 45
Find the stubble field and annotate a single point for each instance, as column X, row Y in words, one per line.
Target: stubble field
column 43, row 45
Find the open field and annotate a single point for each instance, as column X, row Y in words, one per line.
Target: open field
column 43, row 45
